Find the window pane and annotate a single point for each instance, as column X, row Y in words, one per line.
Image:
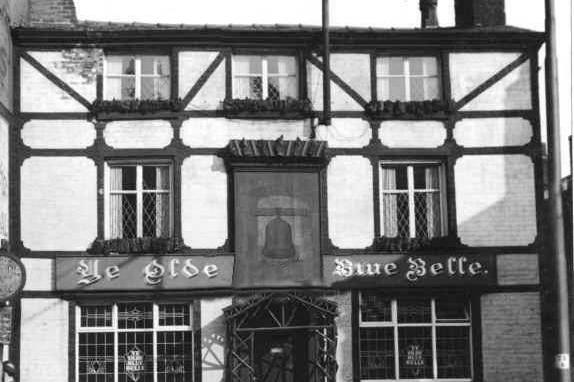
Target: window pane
column 128, row 178
column 452, row 308
column 175, row 356
column 377, row 354
column 174, row 315
column 431, row 88
column 135, row 357
column 430, row 66
column 415, row 353
column 129, row 216
column 155, row 87
column 113, row 88
column 426, row 177
column 397, row 91
column 375, row 307
column 128, row 87
column 95, row 316
column 416, row 66
column 247, row 65
column 395, row 65
column 135, row 316
column 453, row 352
column 417, row 89
column 281, row 65
column 415, row 310
column 427, row 214
column 96, row 357
column 120, row 65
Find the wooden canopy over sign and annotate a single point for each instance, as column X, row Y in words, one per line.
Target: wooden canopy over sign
column 309, row 317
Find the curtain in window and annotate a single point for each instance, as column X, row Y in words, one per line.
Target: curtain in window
column 389, row 202
column 432, row 201
column 116, row 226
column 162, row 202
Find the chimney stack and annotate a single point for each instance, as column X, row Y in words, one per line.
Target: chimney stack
column 429, row 17
column 473, row 13
column 61, row 12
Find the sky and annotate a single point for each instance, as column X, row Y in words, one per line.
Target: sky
column 376, row 13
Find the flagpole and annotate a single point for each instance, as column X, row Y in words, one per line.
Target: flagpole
column 326, row 67
column 556, row 238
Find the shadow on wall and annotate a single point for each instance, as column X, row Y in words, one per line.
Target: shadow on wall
column 213, row 345
column 496, row 193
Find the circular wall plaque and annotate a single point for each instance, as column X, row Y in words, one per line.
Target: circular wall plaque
column 12, row 276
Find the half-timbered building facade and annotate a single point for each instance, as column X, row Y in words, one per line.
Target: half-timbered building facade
column 184, row 213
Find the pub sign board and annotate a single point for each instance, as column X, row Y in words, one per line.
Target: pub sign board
column 140, row 273
column 412, row 270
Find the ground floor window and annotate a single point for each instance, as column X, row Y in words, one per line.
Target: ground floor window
column 414, row 338
column 134, row 342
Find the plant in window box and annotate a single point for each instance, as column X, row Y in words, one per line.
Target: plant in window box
column 409, row 109
column 291, row 107
column 135, row 245
column 141, row 106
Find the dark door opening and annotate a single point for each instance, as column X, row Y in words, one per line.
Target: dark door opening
column 281, row 357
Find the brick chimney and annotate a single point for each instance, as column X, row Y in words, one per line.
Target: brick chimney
column 52, row 12
column 486, row 13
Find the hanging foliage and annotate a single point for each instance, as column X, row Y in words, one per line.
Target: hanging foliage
column 143, row 106
column 409, row 109
column 282, row 107
column 135, row 245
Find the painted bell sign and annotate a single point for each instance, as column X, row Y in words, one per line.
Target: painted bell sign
column 409, row 270
column 94, row 273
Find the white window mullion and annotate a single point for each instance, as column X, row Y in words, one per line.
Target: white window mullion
column 406, row 72
column 138, row 80
column 265, row 78
column 155, row 329
column 77, row 345
column 116, row 343
column 411, row 198
column 139, row 200
column 434, row 342
column 394, row 309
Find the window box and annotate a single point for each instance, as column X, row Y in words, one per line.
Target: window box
column 406, row 244
column 414, row 338
column 106, row 108
column 289, row 108
column 135, row 342
column 412, row 201
column 138, row 200
column 429, row 109
column 157, row 245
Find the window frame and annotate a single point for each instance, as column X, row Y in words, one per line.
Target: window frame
column 139, row 191
column 264, row 72
column 408, row 55
column 434, row 323
column 192, row 328
column 137, row 74
column 411, row 191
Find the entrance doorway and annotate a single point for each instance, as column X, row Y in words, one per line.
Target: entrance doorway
column 281, row 337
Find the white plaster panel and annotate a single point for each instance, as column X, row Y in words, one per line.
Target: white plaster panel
column 510, row 93
column 58, row 203
column 204, row 201
column 213, row 338
column 212, row 93
column 350, row 201
column 495, row 200
column 345, row 132
column 492, row 132
column 191, row 67
column 138, row 134
column 216, row 132
column 517, row 269
column 4, row 127
column 355, row 70
column 38, row 94
column 412, row 133
column 44, row 340
column 68, row 70
column 469, row 70
column 50, row 134
column 39, row 274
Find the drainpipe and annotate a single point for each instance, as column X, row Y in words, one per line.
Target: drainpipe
column 326, row 67
column 556, row 220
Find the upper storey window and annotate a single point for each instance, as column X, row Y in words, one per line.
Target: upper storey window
column 407, row 78
column 264, row 77
column 137, row 77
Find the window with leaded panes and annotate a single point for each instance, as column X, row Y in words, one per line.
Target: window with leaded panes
column 139, row 198
column 408, row 78
column 134, row 342
column 412, row 199
column 137, row 77
column 264, row 77
column 414, row 338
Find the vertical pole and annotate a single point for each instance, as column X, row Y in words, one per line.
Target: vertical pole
column 326, row 67
column 556, row 239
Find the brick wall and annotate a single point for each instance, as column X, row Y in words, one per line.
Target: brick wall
column 511, row 338
column 52, row 12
